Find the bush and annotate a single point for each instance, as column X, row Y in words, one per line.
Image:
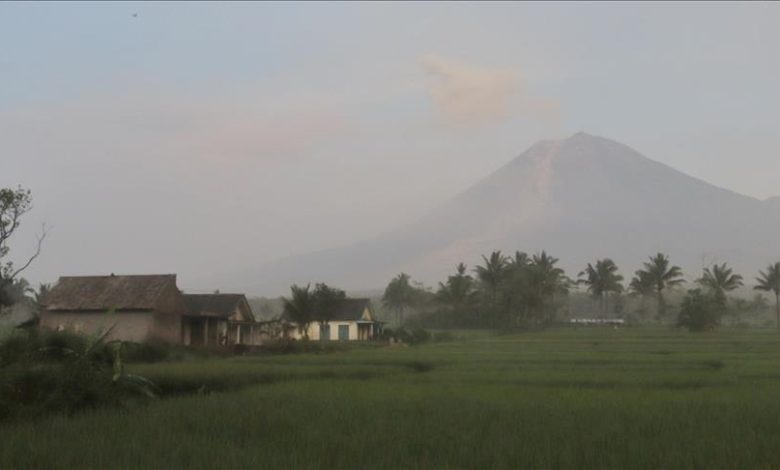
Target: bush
column 403, row 335
column 699, row 312
column 62, row 372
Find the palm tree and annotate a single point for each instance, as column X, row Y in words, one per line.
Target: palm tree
column 299, row 308
column 493, row 273
column 769, row 281
column 662, row 276
column 399, row 295
column 643, row 286
column 601, row 279
column 546, row 280
column 458, row 291
column 41, row 293
column 720, row 279
column 521, row 260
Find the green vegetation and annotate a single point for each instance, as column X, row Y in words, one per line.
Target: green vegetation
column 575, row 398
column 60, row 372
column 769, row 281
column 602, row 279
column 661, row 276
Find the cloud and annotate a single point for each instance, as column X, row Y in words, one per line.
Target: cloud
column 466, row 94
column 165, row 126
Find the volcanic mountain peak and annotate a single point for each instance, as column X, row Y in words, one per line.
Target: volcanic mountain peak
column 580, row 198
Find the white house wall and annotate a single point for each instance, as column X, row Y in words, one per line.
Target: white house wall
column 314, row 331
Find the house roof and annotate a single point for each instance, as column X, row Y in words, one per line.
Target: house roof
column 136, row 292
column 350, row 310
column 215, row 305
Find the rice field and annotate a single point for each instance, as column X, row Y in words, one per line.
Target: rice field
column 586, row 398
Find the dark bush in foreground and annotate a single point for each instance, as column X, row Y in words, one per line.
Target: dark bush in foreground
column 61, row 372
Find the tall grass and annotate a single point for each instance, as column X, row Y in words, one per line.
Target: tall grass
column 560, row 399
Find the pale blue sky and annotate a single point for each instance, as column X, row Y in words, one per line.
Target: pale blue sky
column 198, row 136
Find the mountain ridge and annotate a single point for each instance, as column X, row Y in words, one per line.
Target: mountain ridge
column 579, row 198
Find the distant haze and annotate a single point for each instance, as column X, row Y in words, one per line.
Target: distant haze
column 214, row 140
column 581, row 198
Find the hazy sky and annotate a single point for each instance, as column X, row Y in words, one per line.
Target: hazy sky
column 197, row 138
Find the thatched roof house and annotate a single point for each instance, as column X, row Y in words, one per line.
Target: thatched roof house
column 135, row 308
column 218, row 319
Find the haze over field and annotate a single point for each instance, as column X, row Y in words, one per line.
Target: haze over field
column 213, row 140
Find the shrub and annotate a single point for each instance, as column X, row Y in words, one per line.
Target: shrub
column 699, row 312
column 61, row 372
column 419, row 336
column 413, row 336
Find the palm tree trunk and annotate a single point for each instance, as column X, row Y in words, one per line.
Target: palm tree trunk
column 661, row 306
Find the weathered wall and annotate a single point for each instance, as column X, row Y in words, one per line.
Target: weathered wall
column 128, row 326
column 168, row 317
column 167, row 328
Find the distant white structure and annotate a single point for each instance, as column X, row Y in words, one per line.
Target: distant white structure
column 597, row 321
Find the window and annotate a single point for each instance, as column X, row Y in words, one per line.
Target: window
column 343, row 332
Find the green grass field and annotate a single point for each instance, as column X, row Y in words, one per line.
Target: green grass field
column 587, row 398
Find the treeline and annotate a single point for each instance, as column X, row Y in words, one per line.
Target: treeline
column 532, row 291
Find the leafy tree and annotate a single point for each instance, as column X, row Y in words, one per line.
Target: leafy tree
column 769, row 281
column 18, row 290
column 299, row 308
column 699, row 312
column 601, row 279
column 14, row 203
column 399, row 295
column 459, row 290
column 720, row 279
column 662, row 276
column 326, row 301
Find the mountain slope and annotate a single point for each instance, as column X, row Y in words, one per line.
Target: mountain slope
column 579, row 198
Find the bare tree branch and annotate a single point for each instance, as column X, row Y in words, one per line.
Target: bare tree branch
column 41, row 238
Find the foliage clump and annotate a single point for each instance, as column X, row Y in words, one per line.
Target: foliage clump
column 699, row 311
column 62, row 372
